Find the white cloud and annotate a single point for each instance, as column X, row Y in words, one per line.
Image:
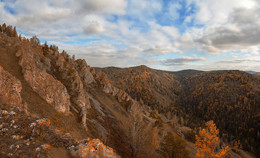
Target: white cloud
column 182, row 61
column 101, row 6
column 240, row 30
column 211, row 12
column 128, row 32
column 93, row 28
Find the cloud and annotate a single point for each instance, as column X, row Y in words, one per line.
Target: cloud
column 101, row 6
column 182, row 61
column 239, row 29
column 238, row 61
column 211, row 12
column 93, row 28
column 242, row 32
column 133, row 32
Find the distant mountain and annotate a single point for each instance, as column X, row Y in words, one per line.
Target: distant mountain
column 254, row 73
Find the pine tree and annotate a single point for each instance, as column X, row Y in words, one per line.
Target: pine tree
column 14, row 33
column 3, row 27
column 208, row 143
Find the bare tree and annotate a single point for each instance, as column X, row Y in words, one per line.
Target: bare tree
column 142, row 137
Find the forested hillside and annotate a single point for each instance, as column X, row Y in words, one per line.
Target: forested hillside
column 157, row 89
column 231, row 99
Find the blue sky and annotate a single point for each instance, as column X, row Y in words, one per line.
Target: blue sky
column 162, row 34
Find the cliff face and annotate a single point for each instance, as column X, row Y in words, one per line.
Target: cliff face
column 10, row 89
column 51, row 90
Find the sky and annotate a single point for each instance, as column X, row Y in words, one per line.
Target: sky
column 162, row 34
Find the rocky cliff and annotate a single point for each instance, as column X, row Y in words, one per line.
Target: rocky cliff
column 69, row 93
column 51, row 90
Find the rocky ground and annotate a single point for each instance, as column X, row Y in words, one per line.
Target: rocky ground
column 22, row 135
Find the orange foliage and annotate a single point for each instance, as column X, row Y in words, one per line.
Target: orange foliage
column 46, row 147
column 44, row 121
column 207, row 142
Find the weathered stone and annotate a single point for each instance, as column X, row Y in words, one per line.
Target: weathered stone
column 51, row 90
column 10, row 89
column 84, row 72
column 92, row 149
column 73, row 82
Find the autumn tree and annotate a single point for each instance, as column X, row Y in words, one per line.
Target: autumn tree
column 35, row 41
column 143, row 138
column 14, row 32
column 136, row 130
column 154, row 142
column 208, row 143
column 3, row 27
column 173, row 147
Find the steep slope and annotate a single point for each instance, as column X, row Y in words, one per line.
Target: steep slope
column 157, row 89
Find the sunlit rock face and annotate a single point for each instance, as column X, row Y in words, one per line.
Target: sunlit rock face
column 92, row 149
column 50, row 89
column 10, row 89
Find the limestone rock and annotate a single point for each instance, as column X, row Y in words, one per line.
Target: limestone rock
column 92, row 149
column 84, row 72
column 10, row 89
column 50, row 89
column 72, row 80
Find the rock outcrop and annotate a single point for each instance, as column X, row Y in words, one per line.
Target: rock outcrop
column 50, row 89
column 71, row 79
column 10, row 89
column 74, row 75
column 84, row 72
column 92, row 148
column 121, row 96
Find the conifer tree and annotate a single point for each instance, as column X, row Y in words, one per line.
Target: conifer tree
column 3, row 27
